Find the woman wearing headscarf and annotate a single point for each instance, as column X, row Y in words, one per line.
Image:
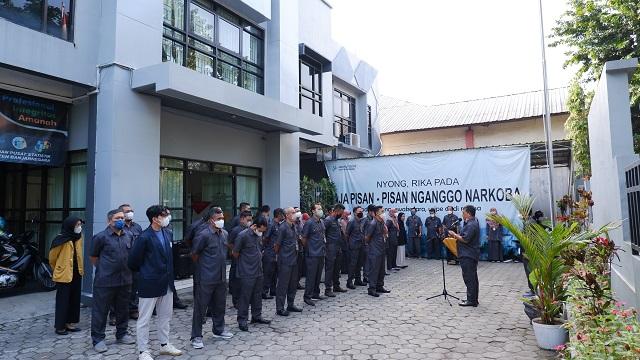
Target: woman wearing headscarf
column 494, row 234
column 402, row 242
column 65, row 258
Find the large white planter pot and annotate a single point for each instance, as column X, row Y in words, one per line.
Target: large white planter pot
column 549, row 336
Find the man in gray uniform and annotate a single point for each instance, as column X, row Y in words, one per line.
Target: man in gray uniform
column 469, row 254
column 234, row 287
column 209, row 253
column 135, row 230
column 355, row 236
column 237, row 219
column 246, row 250
column 287, row 250
column 301, row 265
column 313, row 239
column 414, row 227
column 269, row 261
column 112, row 280
column 375, row 236
column 333, row 256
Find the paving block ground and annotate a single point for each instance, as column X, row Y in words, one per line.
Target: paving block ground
column 400, row 325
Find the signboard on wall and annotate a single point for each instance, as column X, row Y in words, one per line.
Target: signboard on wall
column 483, row 178
column 32, row 130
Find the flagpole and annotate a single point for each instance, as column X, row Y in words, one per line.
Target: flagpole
column 547, row 120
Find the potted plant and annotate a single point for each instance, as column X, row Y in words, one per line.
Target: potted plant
column 543, row 247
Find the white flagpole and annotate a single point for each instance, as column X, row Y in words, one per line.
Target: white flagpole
column 547, row 120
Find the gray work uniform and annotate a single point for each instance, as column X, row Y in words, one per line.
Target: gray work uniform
column 414, row 226
column 287, row 243
column 355, row 236
column 451, row 222
column 269, row 265
column 234, row 286
column 469, row 254
column 333, row 257
column 111, row 282
column 210, row 274
column 392, row 244
column 314, row 233
column 249, row 274
column 301, row 264
column 376, row 254
column 135, row 230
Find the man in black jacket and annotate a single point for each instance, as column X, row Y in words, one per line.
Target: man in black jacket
column 152, row 258
column 469, row 254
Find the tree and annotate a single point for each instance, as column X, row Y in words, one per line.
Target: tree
column 597, row 31
column 578, row 128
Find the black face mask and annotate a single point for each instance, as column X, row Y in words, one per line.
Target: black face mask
column 359, row 215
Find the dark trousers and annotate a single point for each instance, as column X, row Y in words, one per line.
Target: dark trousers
column 527, row 271
column 68, row 302
column 415, row 245
column 301, row 265
column 392, row 255
column 434, row 248
column 270, row 275
column 103, row 297
column 250, row 294
column 469, row 268
column 233, row 282
column 314, row 273
column 287, row 285
column 376, row 271
column 356, row 263
column 213, row 297
column 332, row 271
column 133, row 299
column 346, row 260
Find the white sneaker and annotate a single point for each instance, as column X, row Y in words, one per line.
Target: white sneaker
column 224, row 335
column 169, row 349
column 145, row 355
column 197, row 343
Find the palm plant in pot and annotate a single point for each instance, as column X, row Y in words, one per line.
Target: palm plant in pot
column 543, row 247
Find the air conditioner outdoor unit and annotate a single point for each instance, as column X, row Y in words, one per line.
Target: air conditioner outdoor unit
column 352, row 139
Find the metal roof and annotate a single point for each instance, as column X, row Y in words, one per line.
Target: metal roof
column 398, row 115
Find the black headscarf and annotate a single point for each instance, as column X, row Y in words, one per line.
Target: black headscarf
column 401, row 222
column 67, row 233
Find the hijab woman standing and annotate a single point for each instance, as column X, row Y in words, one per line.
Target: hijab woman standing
column 65, row 258
column 402, row 242
column 494, row 234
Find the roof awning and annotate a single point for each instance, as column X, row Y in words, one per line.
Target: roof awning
column 188, row 90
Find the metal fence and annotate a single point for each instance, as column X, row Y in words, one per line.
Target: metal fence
column 632, row 176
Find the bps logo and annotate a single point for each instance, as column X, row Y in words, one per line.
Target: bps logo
column 346, row 167
column 42, row 145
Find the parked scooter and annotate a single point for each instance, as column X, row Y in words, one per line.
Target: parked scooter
column 20, row 259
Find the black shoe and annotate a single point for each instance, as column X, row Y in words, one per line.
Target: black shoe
column 300, row 286
column 294, row 308
column 386, row 274
column 266, row 297
column 75, row 329
column 62, row 332
column 339, row 289
column 383, row 291
column 468, row 303
column 243, row 327
column 261, row 321
column 406, row 266
column 179, row 305
column 350, row 285
column 358, row 283
column 309, row 302
column 373, row 293
column 318, row 297
column 329, row 293
column 282, row 312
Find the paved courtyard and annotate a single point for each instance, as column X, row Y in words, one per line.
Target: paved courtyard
column 400, row 325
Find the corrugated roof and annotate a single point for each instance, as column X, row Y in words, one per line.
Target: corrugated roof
column 398, row 115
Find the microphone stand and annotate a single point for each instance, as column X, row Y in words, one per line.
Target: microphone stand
column 444, row 293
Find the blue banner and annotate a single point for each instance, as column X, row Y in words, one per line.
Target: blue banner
column 32, row 130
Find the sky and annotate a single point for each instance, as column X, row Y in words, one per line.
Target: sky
column 435, row 52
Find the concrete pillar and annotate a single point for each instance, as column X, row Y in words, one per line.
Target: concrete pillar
column 282, row 53
column 281, row 186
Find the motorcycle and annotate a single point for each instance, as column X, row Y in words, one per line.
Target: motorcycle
column 20, row 259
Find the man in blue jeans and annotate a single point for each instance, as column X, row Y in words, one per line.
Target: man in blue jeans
column 468, row 242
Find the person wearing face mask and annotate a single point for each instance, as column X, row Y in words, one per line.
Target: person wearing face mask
column 414, row 226
column 244, row 206
column 152, row 257
column 434, row 232
column 451, row 222
column 468, row 242
column 392, row 241
column 375, row 236
column 248, row 253
column 494, row 236
column 112, row 280
column 234, row 287
column 301, row 266
column 287, row 250
column 209, row 253
column 333, row 255
column 65, row 258
column 135, row 230
column 269, row 263
column 355, row 237
column 344, row 221
column 313, row 239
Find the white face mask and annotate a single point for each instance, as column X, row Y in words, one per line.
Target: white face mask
column 298, row 215
column 432, row 215
column 77, row 229
column 258, row 232
column 169, row 217
column 129, row 215
column 165, row 221
column 450, row 212
column 219, row 223
column 319, row 213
